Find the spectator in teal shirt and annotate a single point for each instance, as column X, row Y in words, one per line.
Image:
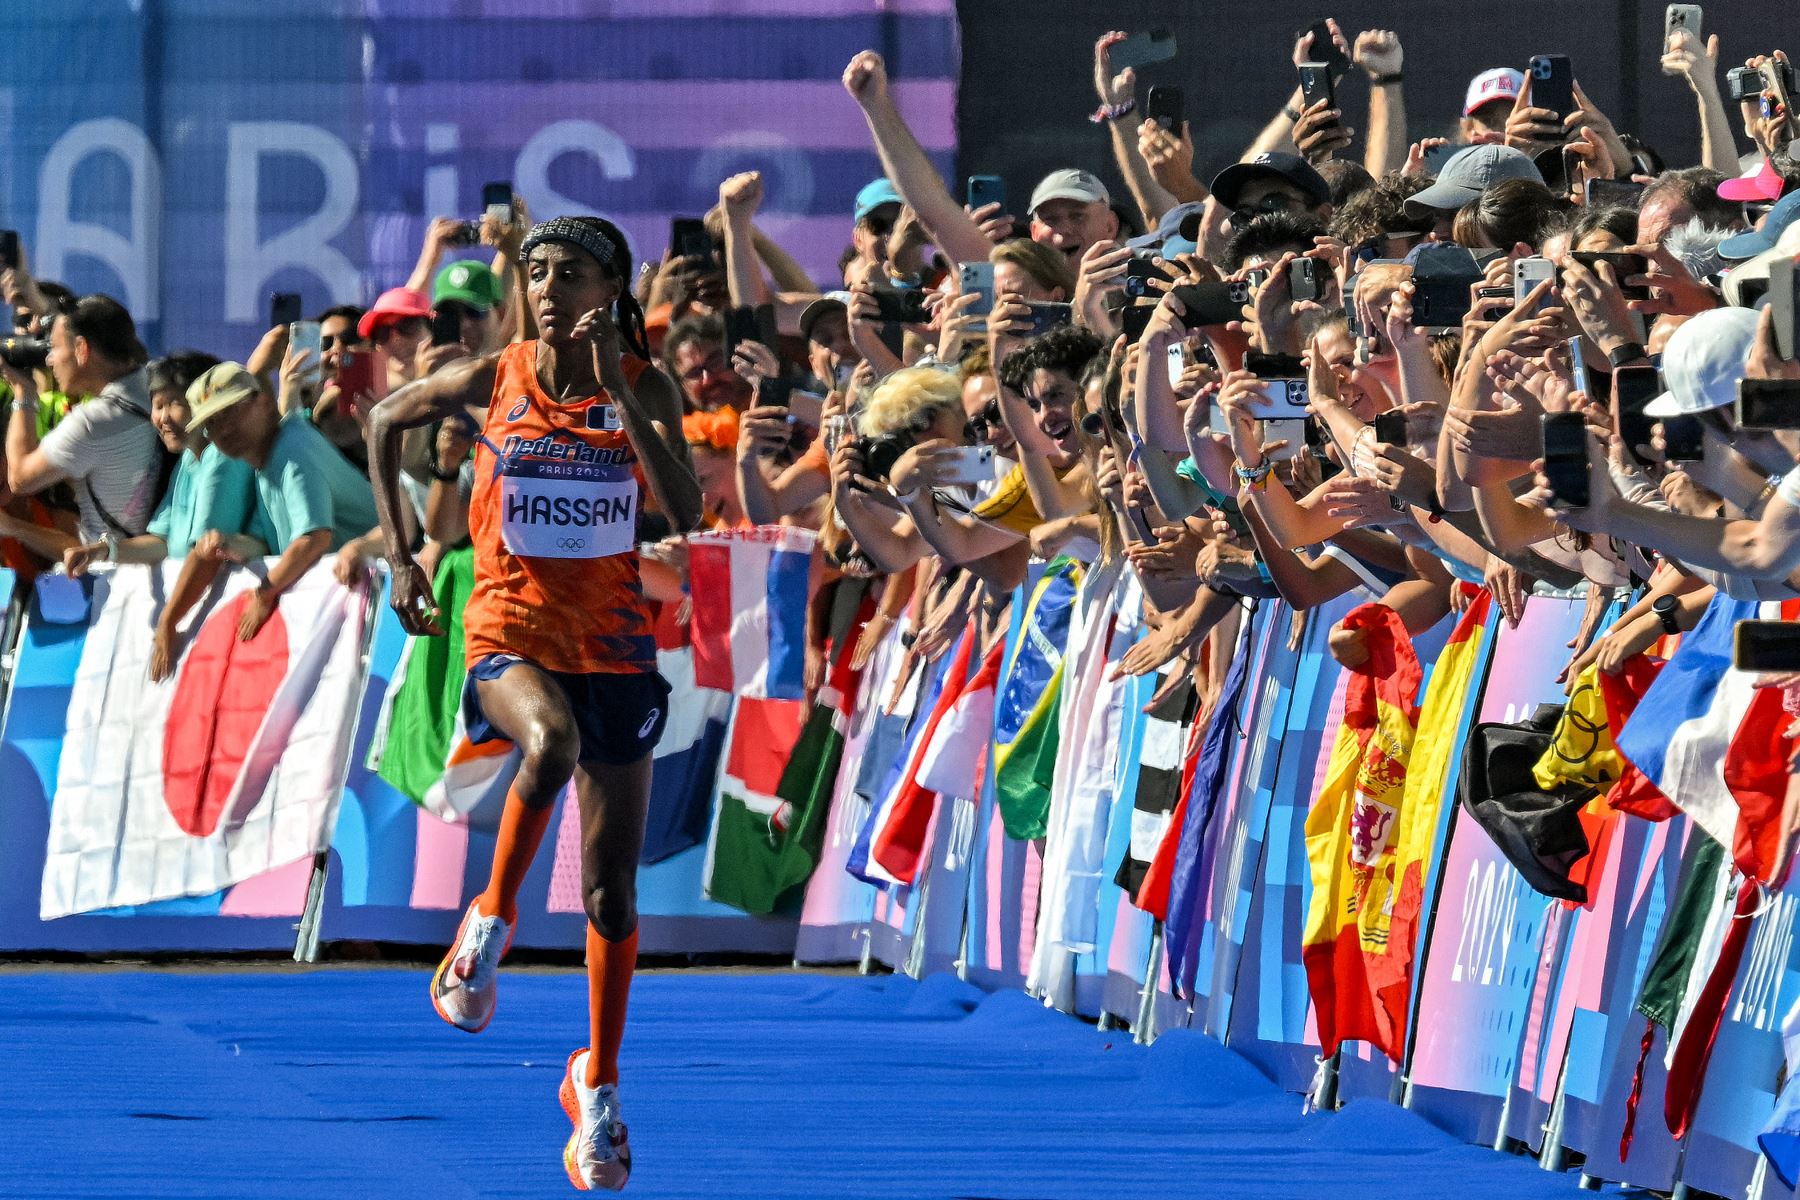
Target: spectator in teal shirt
column 206, row 490
column 309, row 501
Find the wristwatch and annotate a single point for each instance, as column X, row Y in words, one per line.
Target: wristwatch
column 1665, row 608
column 1626, row 352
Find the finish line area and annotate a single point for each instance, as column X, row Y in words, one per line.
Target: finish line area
column 205, row 1084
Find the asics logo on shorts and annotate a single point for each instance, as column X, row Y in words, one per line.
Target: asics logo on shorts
column 650, row 723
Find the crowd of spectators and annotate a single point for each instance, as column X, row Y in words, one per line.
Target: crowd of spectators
column 1352, row 361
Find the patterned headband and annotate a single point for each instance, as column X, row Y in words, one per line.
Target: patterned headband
column 574, row 232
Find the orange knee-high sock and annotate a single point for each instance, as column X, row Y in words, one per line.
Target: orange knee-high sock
column 521, row 829
column 609, row 965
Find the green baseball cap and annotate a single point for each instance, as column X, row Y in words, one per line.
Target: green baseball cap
column 469, row 283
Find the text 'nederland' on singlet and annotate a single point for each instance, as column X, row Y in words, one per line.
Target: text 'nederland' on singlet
column 553, row 516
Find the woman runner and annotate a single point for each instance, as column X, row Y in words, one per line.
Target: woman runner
column 562, row 661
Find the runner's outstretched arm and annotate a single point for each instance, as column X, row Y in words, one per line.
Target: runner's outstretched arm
column 651, row 417
column 451, row 392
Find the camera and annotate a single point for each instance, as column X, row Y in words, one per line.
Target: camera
column 25, row 353
column 881, row 452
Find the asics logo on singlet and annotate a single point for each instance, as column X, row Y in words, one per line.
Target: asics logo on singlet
column 518, row 410
column 523, row 508
column 563, row 449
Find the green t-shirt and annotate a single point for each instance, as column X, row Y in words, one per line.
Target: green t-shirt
column 306, row 485
column 210, row 492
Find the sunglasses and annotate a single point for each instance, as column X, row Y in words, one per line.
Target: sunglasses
column 988, row 418
column 1275, row 202
column 878, row 225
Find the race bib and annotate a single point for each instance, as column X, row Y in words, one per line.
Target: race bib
column 568, row 510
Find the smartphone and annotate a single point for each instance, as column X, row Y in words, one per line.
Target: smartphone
column 1046, row 315
column 284, row 308
column 1390, row 428
column 468, row 233
column 1325, row 49
column 1133, row 320
column 986, row 189
column 1681, row 16
column 978, row 277
column 1624, row 266
column 446, row 326
column 903, row 306
column 1306, row 279
column 1142, row 49
column 1633, row 388
column 740, row 327
column 971, row 464
column 1552, row 83
column 1177, row 366
column 1284, row 380
column 496, row 201
column 1315, row 85
column 1163, row 106
column 1209, row 303
column 688, row 238
column 1783, row 311
column 1766, row 647
column 1289, row 430
column 361, row 379
column 1440, row 302
column 1768, row 404
column 1578, row 367
column 304, row 337
column 9, row 249
column 1528, row 273
column 1776, row 78
column 1138, row 274
column 775, row 392
column 1684, row 439
column 1566, row 458
column 1607, row 193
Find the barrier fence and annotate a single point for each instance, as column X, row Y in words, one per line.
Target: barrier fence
column 1157, row 870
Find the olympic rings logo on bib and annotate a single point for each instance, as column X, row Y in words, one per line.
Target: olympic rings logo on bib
column 570, row 543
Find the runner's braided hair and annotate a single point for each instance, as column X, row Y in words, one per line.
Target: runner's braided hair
column 606, row 243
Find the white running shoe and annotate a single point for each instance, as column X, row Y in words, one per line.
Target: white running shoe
column 464, row 985
column 598, row 1155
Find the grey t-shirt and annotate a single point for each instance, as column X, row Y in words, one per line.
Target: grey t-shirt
column 108, row 451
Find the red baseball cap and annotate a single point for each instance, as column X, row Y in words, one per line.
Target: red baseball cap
column 395, row 304
column 1761, row 184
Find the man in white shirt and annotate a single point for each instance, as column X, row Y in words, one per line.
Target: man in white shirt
column 106, row 446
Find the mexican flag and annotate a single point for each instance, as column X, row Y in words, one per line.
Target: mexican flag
column 1351, row 842
column 228, row 769
column 418, row 715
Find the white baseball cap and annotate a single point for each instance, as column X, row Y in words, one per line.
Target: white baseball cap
column 1071, row 183
column 1703, row 362
column 1501, row 83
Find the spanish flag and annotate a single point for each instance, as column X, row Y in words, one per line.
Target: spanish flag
column 1370, row 835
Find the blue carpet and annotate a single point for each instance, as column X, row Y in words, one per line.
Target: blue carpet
column 341, row 1083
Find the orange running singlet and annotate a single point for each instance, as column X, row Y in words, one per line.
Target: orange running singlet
column 553, row 517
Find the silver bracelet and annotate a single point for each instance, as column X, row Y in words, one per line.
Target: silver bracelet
column 111, row 542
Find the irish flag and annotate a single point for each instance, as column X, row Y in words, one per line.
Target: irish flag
column 1351, row 841
column 231, row 767
column 750, row 591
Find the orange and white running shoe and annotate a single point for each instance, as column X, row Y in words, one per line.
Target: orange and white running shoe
column 598, row 1155
column 464, row 985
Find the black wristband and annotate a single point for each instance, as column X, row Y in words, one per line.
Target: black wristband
column 1384, row 80
column 450, row 476
column 1626, row 352
column 1292, row 114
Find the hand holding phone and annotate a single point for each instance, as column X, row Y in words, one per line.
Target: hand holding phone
column 497, row 201
column 1552, row 84
column 984, row 190
column 1390, row 428
column 1142, row 49
column 1163, row 106
column 1566, row 459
